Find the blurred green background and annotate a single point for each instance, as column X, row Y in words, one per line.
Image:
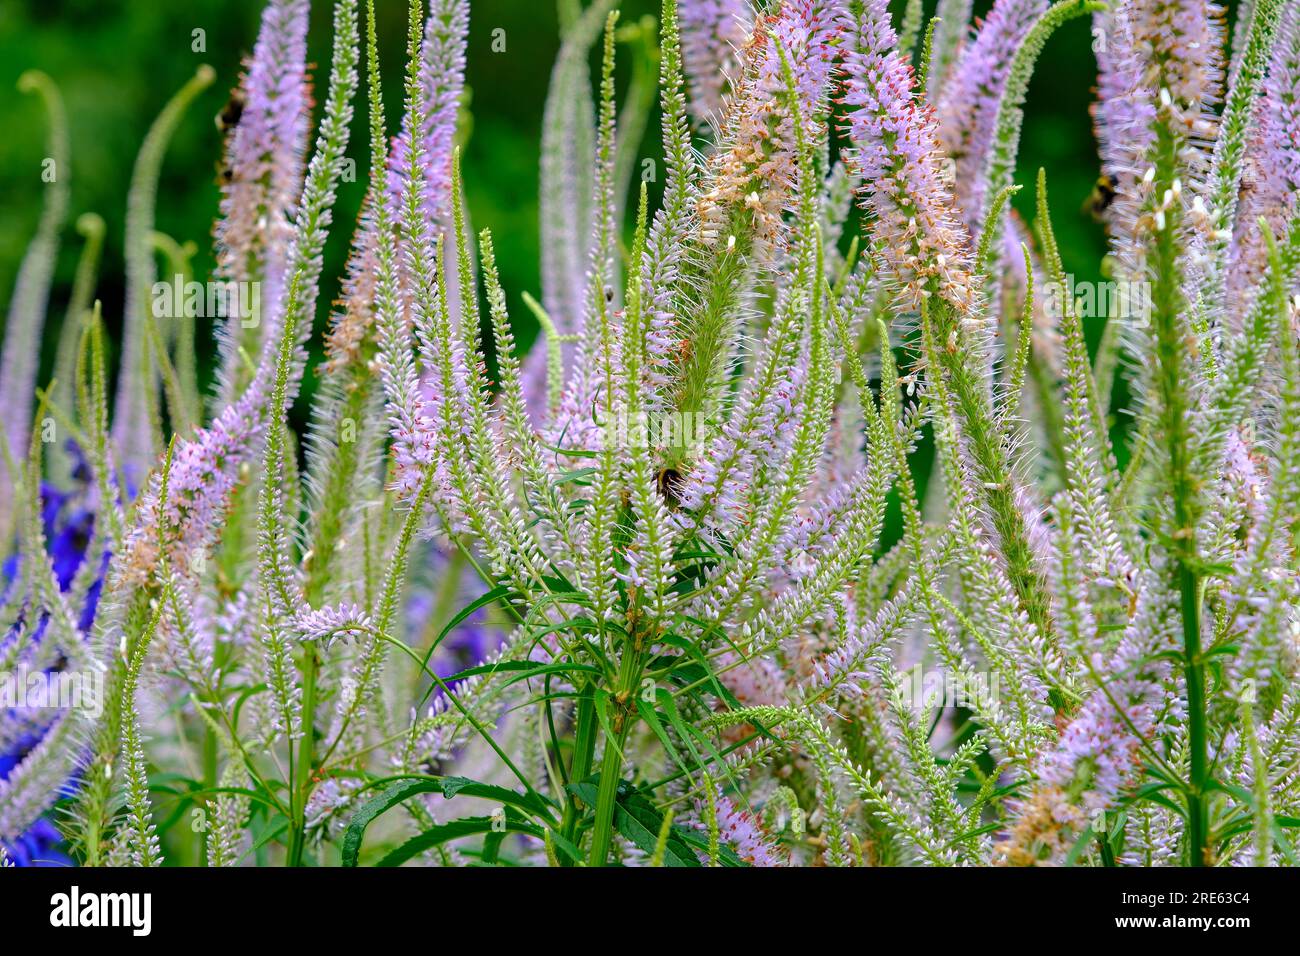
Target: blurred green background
column 117, row 63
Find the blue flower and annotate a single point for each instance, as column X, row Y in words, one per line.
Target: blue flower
column 39, row 846
column 68, row 525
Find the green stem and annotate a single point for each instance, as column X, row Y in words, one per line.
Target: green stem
column 306, row 748
column 584, row 748
column 611, row 763
column 1171, row 346
column 611, row 771
column 1194, row 675
column 1107, row 854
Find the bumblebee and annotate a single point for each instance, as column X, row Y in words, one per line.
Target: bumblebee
column 669, row 481
column 1249, row 182
column 232, row 112
column 226, row 121
column 1103, row 194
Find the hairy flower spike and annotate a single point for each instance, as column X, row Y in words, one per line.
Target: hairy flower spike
column 1271, row 180
column 442, row 78
column 1159, row 56
column 754, row 174
column 26, row 317
column 968, row 109
column 896, row 147
column 712, row 34
column 205, row 471
column 329, row 623
column 265, row 153
column 743, row 832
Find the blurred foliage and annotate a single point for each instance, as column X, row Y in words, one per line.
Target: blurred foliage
column 118, row 62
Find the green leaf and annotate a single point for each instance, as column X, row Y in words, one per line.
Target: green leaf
column 455, row 786
column 449, row 787
column 637, row 819
column 651, row 717
column 371, row 809
column 525, row 670
column 466, row 826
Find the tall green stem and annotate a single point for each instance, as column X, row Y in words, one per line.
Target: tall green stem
column 1194, row 675
column 584, row 748
column 1172, row 368
column 611, row 771
column 611, row 764
column 306, row 756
